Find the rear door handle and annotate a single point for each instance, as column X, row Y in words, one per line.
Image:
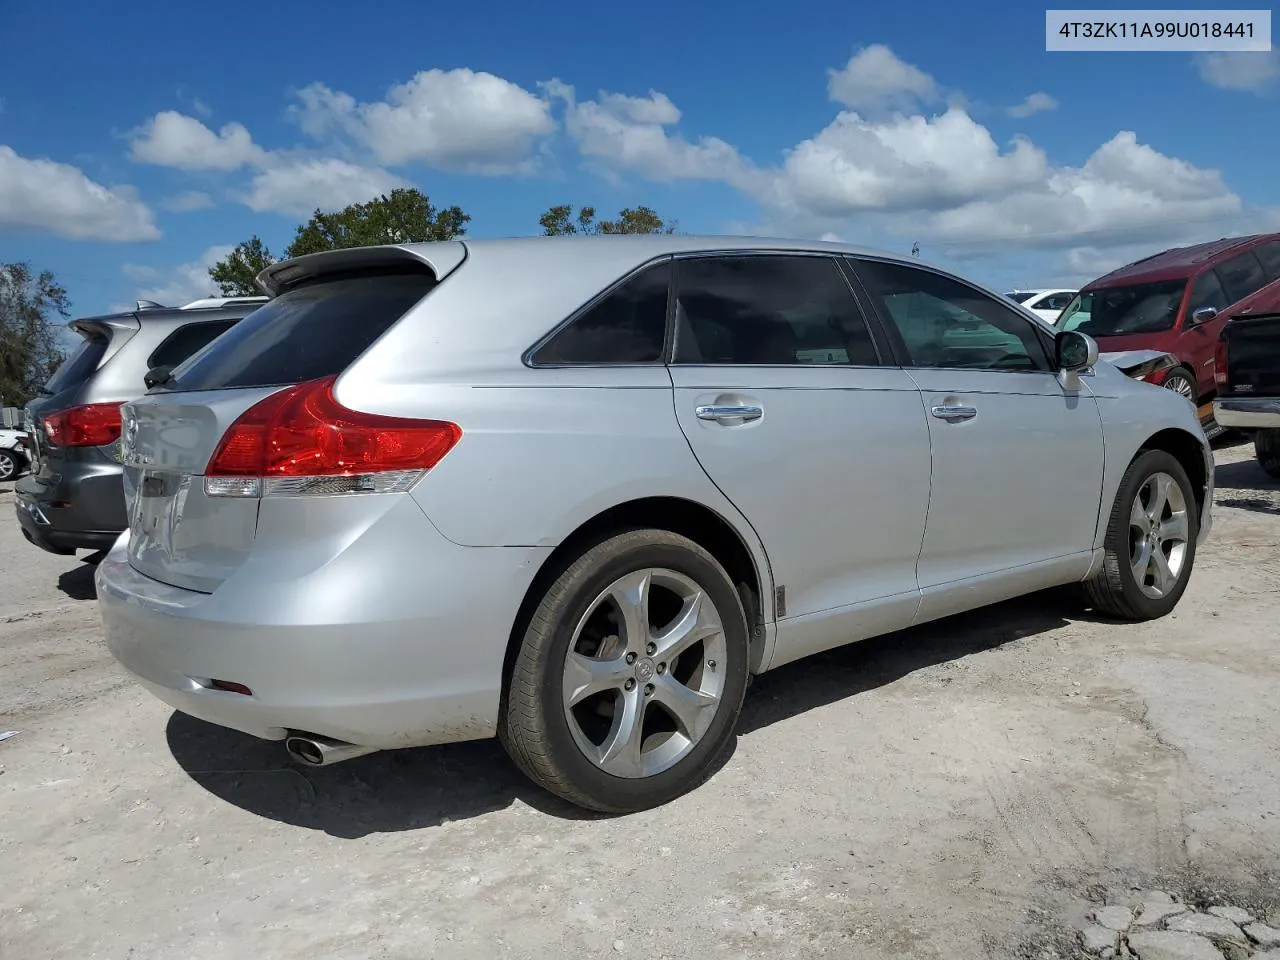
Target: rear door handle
column 953, row 413
column 722, row 413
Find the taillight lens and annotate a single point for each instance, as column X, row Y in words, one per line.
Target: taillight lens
column 300, row 440
column 93, row 425
column 1220, row 362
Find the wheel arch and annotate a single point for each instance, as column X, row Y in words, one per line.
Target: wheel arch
column 704, row 526
column 1188, row 450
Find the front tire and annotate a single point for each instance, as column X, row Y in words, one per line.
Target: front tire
column 1266, row 446
column 1182, row 382
column 630, row 675
column 8, row 465
column 1150, row 542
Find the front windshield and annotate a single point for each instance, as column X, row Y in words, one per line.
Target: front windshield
column 1123, row 311
column 1021, row 296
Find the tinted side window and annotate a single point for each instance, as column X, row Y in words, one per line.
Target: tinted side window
column 628, row 326
column 314, row 331
column 1055, row 301
column 945, row 323
column 768, row 310
column 1269, row 254
column 186, row 341
column 1241, row 276
column 1207, row 292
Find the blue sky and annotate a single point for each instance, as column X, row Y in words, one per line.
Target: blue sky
column 139, row 141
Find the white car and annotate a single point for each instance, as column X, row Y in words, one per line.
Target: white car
column 1044, row 303
column 13, row 454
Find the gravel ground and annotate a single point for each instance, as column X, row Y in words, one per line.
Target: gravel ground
column 970, row 788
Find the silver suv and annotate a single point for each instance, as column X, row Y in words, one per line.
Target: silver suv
column 574, row 492
column 73, row 498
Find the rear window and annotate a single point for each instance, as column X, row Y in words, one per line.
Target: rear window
column 79, row 365
column 314, row 331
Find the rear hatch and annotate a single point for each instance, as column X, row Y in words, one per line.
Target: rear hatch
column 194, row 535
column 1253, row 355
column 100, row 339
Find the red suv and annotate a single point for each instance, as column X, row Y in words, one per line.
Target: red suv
column 1178, row 301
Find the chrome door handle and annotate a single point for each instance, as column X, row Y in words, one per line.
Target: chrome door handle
column 953, row 413
column 720, row 413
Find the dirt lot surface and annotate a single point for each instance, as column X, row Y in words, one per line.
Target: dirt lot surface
column 956, row 790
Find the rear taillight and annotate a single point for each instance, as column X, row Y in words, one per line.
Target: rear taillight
column 301, row 441
column 1220, row 361
column 93, row 425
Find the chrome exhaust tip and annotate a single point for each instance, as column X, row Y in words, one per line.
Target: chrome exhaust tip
column 313, row 751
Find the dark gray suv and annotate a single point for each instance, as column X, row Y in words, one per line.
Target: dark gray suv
column 73, row 497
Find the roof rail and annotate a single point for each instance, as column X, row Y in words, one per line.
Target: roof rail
column 207, row 302
column 150, row 305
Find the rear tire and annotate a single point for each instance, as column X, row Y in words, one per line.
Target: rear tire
column 630, row 675
column 1266, row 445
column 1154, row 513
column 9, row 466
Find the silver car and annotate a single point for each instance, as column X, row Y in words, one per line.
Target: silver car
column 574, row 492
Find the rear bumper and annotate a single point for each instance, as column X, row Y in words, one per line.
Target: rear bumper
column 1248, row 413
column 82, row 509
column 370, row 647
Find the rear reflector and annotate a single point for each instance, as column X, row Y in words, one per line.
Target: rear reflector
column 93, row 425
column 300, row 441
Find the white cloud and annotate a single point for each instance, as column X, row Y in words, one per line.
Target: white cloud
column 905, row 162
column 186, row 202
column 172, row 139
column 454, row 119
column 1034, row 103
column 875, row 79
column 178, row 285
column 892, row 176
column 42, row 194
column 1255, row 71
column 630, row 133
column 298, row 187
column 1125, row 193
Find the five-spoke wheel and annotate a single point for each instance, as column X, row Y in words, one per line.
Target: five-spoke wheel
column 1150, row 542
column 630, row 675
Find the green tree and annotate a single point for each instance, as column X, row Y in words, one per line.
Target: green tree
column 404, row 215
column 236, row 274
column 561, row 221
column 30, row 307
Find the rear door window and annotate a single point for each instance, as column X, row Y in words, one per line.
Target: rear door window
column 187, row 341
column 314, row 331
column 1241, row 276
column 775, row 310
column 79, row 366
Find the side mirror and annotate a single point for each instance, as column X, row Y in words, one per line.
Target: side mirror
column 158, row 376
column 1203, row 315
column 1075, row 351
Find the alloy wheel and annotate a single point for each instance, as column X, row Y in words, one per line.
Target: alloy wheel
column 1182, row 386
column 644, row 676
column 8, row 466
column 1158, row 531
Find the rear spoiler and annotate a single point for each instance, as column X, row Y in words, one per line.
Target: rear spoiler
column 105, row 326
column 442, row 257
